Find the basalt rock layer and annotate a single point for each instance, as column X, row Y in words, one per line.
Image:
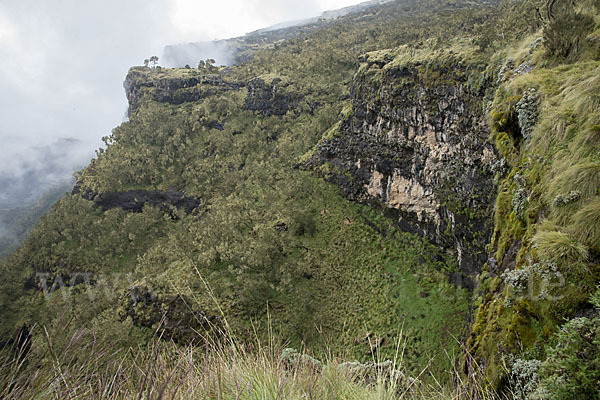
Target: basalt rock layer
column 135, row 200
column 267, row 97
column 165, row 88
column 416, row 142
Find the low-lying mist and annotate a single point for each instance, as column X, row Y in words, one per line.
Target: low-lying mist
column 31, row 181
column 63, row 63
column 34, row 170
column 179, row 55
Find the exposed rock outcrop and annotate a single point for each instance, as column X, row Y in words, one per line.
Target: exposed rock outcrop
column 135, row 200
column 416, row 142
column 266, row 96
column 369, row 373
column 172, row 314
column 293, row 360
column 165, row 88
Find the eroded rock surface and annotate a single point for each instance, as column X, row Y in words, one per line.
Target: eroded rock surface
column 173, row 90
column 135, row 200
column 267, row 97
column 175, row 315
column 416, row 142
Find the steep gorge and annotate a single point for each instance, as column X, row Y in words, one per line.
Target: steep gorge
column 455, row 181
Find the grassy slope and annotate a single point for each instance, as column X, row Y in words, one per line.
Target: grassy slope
column 329, row 279
column 555, row 236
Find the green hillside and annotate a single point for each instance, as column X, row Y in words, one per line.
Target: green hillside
column 421, row 171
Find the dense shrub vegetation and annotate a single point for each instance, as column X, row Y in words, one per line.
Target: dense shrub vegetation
column 272, row 250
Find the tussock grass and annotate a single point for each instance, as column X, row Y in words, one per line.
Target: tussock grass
column 586, row 224
column 223, row 369
column 584, row 178
column 559, row 246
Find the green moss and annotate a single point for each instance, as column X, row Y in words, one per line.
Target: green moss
column 333, row 131
column 556, row 172
column 346, row 111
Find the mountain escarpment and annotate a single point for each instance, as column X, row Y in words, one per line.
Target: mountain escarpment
column 414, row 140
column 451, row 162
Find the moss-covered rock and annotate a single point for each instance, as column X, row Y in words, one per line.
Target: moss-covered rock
column 174, row 316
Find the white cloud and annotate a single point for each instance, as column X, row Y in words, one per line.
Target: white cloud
column 7, row 30
column 336, row 4
column 64, row 64
column 230, row 18
column 63, row 61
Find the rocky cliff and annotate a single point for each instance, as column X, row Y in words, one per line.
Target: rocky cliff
column 414, row 140
column 195, row 215
column 135, row 200
column 187, row 86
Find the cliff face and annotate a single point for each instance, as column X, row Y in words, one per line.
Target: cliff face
column 195, row 213
column 135, row 200
column 415, row 142
column 268, row 98
column 189, row 85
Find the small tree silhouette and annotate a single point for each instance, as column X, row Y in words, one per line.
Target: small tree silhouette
column 208, row 66
column 154, row 60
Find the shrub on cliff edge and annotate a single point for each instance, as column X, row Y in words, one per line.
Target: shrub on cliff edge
column 572, row 369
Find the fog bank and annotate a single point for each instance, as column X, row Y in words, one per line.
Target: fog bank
column 63, row 63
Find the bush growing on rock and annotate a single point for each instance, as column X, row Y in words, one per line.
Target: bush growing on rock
column 572, row 369
column 527, row 112
column 524, row 377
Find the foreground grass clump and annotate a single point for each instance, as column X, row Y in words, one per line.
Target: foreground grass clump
column 82, row 368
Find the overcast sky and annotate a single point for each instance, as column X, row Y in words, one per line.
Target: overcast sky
column 63, row 61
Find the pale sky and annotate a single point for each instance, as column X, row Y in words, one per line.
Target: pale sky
column 62, row 62
column 229, row 18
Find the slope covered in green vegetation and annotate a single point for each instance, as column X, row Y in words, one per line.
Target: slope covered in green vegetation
column 544, row 263
column 17, row 221
column 459, row 210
